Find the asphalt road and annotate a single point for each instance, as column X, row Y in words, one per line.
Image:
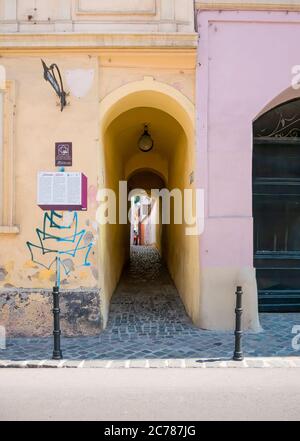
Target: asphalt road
column 150, row 394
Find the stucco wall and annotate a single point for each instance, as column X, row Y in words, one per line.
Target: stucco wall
column 96, row 16
column 114, row 245
column 245, row 61
column 38, row 124
column 255, row 5
column 181, row 250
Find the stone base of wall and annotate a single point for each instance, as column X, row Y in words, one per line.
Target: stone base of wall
column 28, row 312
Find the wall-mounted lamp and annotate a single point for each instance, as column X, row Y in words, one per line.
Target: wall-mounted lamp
column 49, row 76
column 145, row 143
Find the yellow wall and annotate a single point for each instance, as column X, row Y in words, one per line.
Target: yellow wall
column 114, row 242
column 160, row 84
column 182, row 251
column 38, row 124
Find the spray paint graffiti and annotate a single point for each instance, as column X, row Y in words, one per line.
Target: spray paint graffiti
column 56, row 241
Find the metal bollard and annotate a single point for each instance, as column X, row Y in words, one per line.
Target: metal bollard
column 238, row 353
column 2, row 337
column 57, row 353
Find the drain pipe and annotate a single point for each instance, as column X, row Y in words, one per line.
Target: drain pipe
column 195, row 18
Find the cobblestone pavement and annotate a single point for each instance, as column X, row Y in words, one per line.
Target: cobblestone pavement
column 147, row 321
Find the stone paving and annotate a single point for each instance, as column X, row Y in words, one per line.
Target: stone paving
column 148, row 323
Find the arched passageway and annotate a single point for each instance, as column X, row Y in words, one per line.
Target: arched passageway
column 169, row 164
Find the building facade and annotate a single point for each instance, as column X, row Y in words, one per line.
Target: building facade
column 199, row 74
column 246, row 72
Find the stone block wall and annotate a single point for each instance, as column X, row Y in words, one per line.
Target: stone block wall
column 28, row 312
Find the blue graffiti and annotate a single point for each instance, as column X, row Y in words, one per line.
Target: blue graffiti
column 68, row 237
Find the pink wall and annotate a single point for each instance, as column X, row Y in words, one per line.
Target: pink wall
column 245, row 61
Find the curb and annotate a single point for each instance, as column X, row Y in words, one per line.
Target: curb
column 266, row 362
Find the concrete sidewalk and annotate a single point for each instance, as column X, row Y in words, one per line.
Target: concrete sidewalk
column 259, row 362
column 149, row 394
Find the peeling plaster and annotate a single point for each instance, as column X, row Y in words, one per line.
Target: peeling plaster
column 88, row 237
column 69, row 265
column 92, row 195
column 3, row 273
column 67, row 218
column 64, row 282
column 29, row 264
column 79, row 81
column 44, row 274
column 83, row 274
column 95, row 226
column 178, row 86
column 95, row 272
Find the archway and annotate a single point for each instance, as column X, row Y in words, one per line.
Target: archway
column 276, row 207
column 170, row 117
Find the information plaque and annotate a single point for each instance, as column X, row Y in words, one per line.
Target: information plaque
column 63, row 191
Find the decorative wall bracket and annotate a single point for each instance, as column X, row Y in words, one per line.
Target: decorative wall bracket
column 49, row 75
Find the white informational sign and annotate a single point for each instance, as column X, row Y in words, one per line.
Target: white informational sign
column 62, row 191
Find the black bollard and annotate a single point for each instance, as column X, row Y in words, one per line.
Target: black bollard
column 57, row 353
column 238, row 353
